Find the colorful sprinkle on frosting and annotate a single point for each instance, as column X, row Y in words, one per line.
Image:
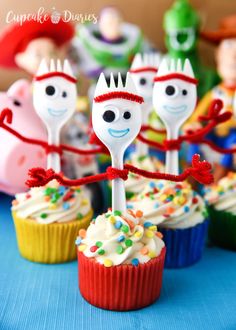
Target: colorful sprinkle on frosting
column 129, row 239
column 52, row 203
column 222, row 195
column 136, row 183
column 170, row 205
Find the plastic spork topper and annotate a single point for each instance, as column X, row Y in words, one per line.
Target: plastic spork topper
column 116, row 113
column 174, row 99
column 116, row 118
column 54, row 98
column 143, row 70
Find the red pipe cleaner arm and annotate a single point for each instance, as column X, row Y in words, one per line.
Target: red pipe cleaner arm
column 200, row 171
column 199, row 134
column 221, row 150
column 74, row 150
column 151, row 143
column 214, row 117
column 167, row 144
column 101, row 149
column 40, row 177
column 7, row 116
column 145, row 128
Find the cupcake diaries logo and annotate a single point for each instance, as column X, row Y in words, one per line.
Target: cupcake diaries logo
column 42, row 16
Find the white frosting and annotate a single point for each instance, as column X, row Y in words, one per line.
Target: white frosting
column 170, row 205
column 37, row 204
column 222, row 196
column 104, row 231
column 136, row 183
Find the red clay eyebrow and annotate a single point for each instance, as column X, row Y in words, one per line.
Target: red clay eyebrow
column 177, row 76
column 144, row 69
column 118, row 95
column 56, row 74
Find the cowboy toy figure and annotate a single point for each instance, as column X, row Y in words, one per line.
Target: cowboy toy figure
column 24, row 46
column 224, row 134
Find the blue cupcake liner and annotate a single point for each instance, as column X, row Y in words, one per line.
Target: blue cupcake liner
column 184, row 246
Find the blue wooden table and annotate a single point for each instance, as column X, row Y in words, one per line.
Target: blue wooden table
column 35, row 296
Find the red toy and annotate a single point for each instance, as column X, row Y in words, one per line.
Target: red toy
column 24, row 46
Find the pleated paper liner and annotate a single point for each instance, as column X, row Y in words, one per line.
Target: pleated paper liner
column 184, row 247
column 123, row 287
column 222, row 228
column 48, row 243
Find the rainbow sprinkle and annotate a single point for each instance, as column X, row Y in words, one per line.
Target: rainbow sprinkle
column 125, row 240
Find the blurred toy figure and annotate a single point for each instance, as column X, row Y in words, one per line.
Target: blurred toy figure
column 108, row 46
column 24, row 46
column 182, row 25
column 16, row 156
column 74, row 166
column 76, row 134
column 225, row 134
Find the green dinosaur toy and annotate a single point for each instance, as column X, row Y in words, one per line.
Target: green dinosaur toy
column 182, row 25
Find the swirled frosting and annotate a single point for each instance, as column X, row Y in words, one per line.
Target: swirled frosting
column 136, row 183
column 114, row 238
column 222, row 196
column 52, row 203
column 170, row 205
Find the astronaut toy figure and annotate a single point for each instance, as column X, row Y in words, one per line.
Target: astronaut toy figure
column 108, row 46
column 224, row 134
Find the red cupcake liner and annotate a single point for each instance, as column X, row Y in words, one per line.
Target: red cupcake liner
column 123, row 287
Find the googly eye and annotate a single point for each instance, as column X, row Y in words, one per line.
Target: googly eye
column 171, row 90
column 109, row 116
column 127, row 115
column 79, row 135
column 17, row 103
column 143, row 81
column 64, row 94
column 50, row 90
column 184, row 92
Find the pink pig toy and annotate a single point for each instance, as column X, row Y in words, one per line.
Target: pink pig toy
column 16, row 157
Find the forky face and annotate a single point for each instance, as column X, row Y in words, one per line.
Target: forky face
column 174, row 93
column 143, row 70
column 54, row 93
column 116, row 113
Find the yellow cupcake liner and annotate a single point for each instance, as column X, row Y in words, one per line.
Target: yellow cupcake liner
column 48, row 243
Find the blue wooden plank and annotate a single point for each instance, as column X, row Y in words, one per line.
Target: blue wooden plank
column 38, row 297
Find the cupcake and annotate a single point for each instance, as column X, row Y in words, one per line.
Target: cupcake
column 121, row 260
column 220, row 199
column 181, row 216
column 136, row 183
column 47, row 221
